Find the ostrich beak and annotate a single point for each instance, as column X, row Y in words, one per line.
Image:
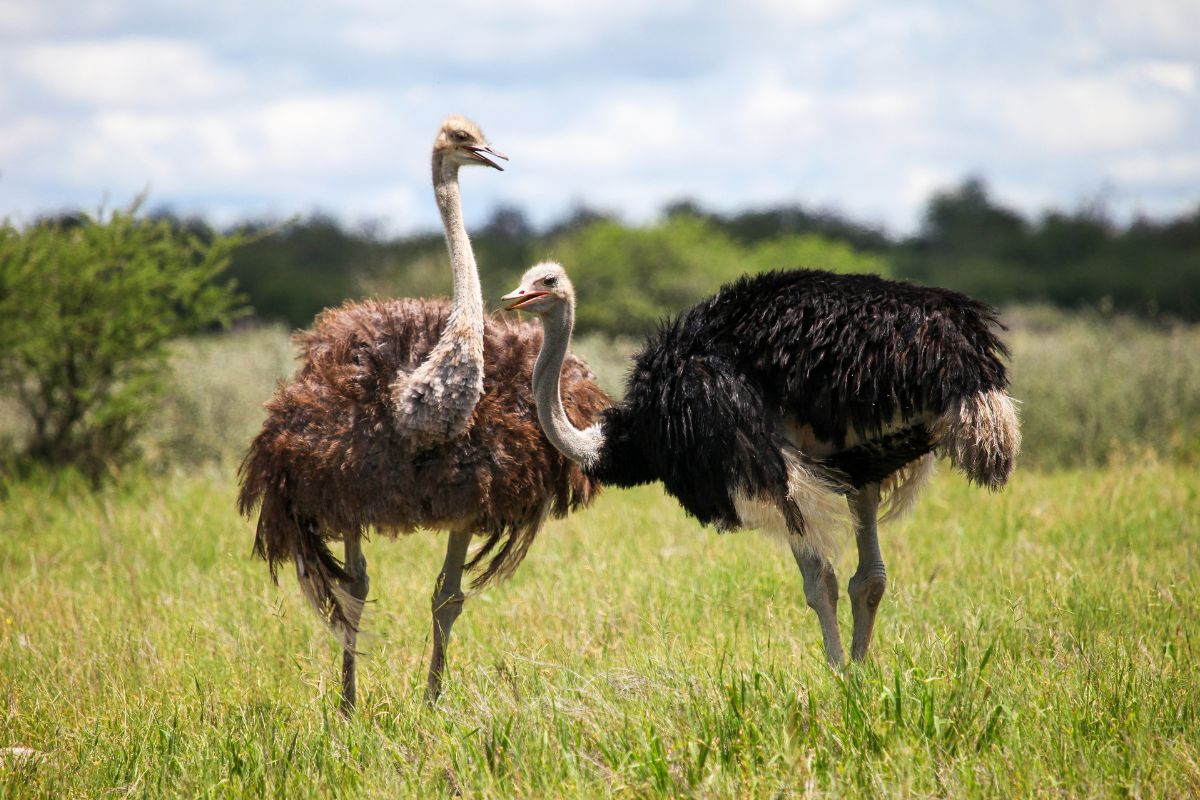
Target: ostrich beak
column 516, row 299
column 477, row 152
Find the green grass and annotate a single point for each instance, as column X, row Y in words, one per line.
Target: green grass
column 1038, row 642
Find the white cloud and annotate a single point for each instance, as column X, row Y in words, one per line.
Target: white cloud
column 618, row 103
column 1080, row 115
column 484, row 32
column 57, row 17
column 1145, row 24
column 806, row 11
column 1178, row 76
column 23, row 135
column 18, row 17
column 774, row 115
column 131, row 71
column 922, row 180
column 299, row 140
column 1149, row 168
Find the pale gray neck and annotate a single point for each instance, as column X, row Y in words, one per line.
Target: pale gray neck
column 435, row 402
column 468, row 297
column 583, row 447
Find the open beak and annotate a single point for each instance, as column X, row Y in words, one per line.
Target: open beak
column 481, row 152
column 514, row 300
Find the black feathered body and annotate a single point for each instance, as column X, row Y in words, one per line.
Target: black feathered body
column 847, row 376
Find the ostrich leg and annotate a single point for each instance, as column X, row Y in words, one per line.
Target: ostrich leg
column 356, row 565
column 447, row 605
column 820, row 589
column 869, row 581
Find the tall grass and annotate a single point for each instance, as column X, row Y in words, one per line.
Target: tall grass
column 1038, row 642
column 1095, row 387
column 220, row 385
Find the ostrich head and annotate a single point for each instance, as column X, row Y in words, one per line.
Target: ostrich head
column 544, row 288
column 461, row 141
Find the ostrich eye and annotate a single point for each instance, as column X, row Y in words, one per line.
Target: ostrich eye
column 550, row 281
column 459, row 136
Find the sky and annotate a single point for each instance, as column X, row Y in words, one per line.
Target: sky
column 235, row 110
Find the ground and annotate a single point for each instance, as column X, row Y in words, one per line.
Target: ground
column 1042, row 641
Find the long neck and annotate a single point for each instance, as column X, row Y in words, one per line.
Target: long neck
column 436, row 401
column 582, row 447
column 468, row 297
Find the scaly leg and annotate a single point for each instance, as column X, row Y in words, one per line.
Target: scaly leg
column 447, row 605
column 356, row 565
column 869, row 581
column 820, row 589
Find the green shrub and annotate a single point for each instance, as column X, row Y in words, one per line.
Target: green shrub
column 87, row 309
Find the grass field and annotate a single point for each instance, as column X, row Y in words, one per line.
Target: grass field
column 1040, row 642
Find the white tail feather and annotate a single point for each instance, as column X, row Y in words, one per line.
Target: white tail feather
column 982, row 436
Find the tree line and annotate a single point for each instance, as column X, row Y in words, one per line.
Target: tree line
column 630, row 276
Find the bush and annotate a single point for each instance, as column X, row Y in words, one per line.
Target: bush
column 87, row 308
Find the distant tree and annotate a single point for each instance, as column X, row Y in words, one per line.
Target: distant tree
column 686, row 207
column 967, row 220
column 86, row 312
column 576, row 219
column 756, row 225
column 292, row 271
column 1164, row 259
column 814, row 251
column 1069, row 258
column 970, row 243
column 508, row 222
column 635, row 277
column 504, row 248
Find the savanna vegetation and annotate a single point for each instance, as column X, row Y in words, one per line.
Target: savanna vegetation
column 1042, row 641
column 1072, row 259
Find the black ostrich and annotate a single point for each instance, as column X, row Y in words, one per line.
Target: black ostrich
column 766, row 404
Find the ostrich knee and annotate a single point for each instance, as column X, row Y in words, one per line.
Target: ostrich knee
column 868, row 589
column 446, row 609
column 869, row 582
column 866, row 592
column 821, row 592
column 356, row 588
column 447, row 605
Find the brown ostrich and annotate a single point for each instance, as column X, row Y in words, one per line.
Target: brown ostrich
column 412, row 414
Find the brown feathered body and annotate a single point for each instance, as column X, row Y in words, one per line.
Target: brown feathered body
column 328, row 461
